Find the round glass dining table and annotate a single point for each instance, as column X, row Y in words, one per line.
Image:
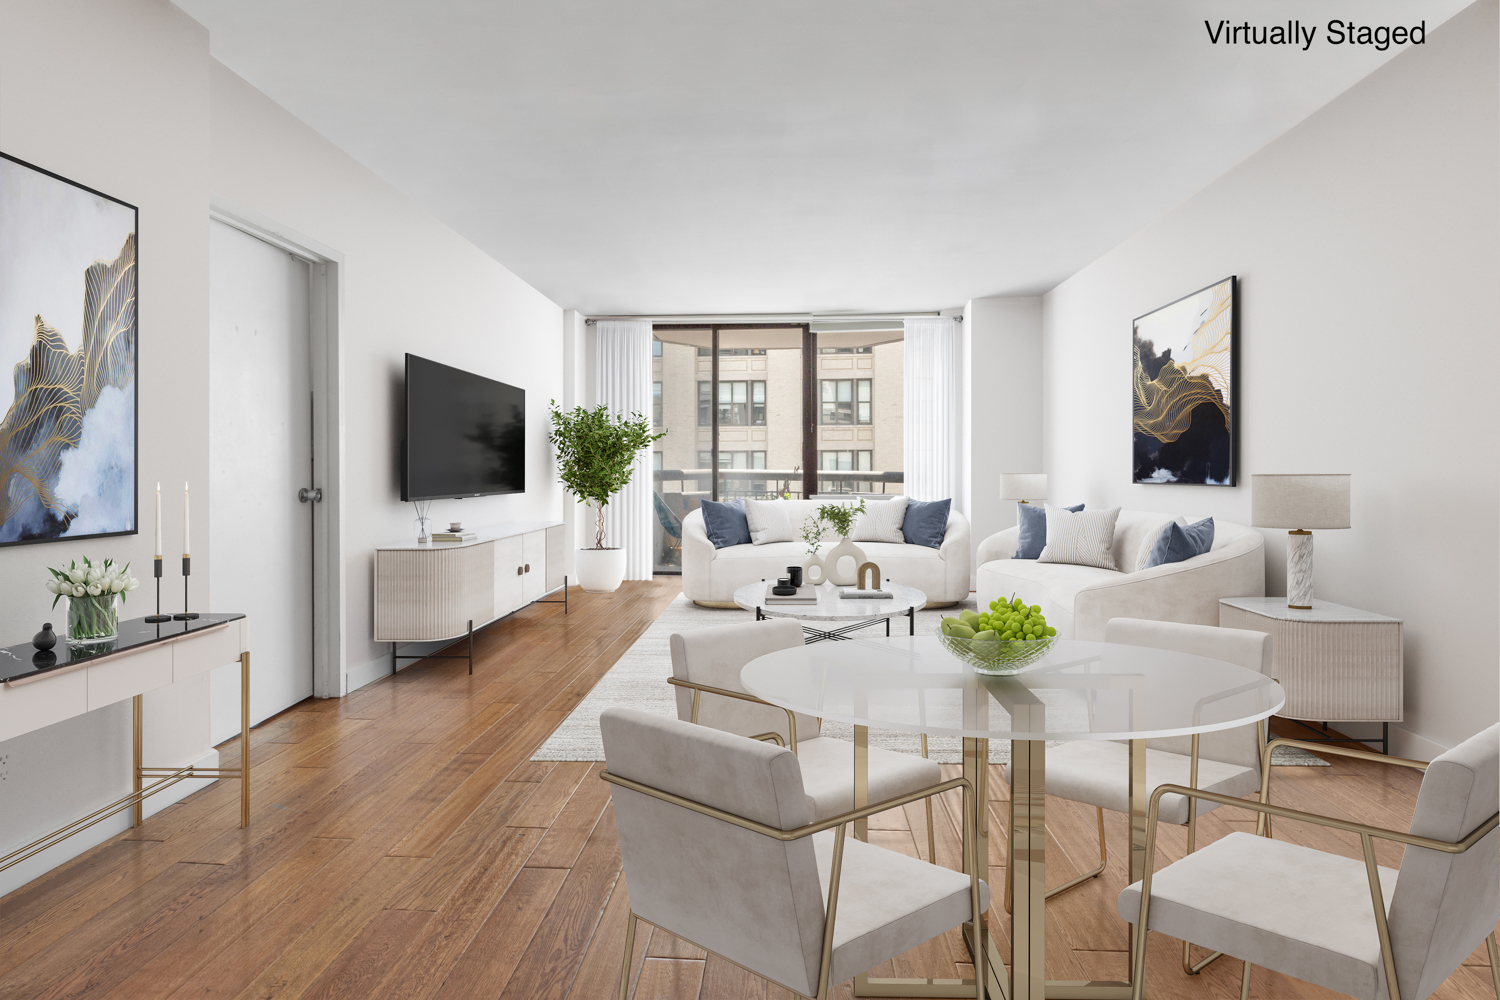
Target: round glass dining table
column 1077, row 691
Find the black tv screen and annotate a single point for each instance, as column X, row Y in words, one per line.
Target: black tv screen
column 465, row 434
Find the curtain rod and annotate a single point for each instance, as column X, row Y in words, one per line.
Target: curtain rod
column 788, row 318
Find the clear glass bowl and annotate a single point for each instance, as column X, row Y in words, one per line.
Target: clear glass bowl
column 996, row 656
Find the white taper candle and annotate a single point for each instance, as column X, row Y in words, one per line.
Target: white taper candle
column 185, row 535
column 158, row 520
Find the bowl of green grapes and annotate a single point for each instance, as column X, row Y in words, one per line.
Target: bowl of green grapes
column 1002, row 640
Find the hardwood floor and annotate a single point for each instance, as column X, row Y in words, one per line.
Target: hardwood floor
column 403, row 845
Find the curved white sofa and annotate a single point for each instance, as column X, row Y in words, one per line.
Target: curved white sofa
column 1079, row 600
column 710, row 576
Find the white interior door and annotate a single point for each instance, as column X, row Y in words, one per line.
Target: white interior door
column 260, row 455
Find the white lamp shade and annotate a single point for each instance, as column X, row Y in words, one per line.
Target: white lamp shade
column 1308, row 501
column 1023, row 486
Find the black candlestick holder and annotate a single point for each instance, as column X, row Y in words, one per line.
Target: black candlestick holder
column 158, row 617
column 187, row 571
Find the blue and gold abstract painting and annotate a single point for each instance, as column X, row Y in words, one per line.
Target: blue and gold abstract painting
column 68, row 328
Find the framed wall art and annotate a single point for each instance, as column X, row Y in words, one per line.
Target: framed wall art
column 1183, row 381
column 68, row 441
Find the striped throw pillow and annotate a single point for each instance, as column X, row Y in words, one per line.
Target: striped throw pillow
column 1081, row 539
column 881, row 521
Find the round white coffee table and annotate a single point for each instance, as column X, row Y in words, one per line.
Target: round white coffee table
column 833, row 608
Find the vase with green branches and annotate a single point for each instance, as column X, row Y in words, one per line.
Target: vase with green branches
column 596, row 459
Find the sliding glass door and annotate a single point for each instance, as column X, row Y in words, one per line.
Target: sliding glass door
column 765, row 411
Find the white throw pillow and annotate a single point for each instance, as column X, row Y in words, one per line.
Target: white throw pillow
column 768, row 522
column 881, row 521
column 1081, row 539
column 1150, row 542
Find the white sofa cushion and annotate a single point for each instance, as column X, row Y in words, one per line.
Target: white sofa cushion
column 768, row 522
column 1080, row 538
column 881, row 521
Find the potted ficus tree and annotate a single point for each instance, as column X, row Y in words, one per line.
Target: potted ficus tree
column 596, row 454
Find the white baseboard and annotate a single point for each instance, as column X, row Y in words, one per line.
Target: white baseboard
column 1405, row 743
column 65, row 851
column 365, row 673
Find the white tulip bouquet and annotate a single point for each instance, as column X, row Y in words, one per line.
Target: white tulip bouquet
column 91, row 590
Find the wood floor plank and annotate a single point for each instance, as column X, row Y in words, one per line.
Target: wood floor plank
column 492, row 955
column 570, row 831
column 295, row 969
column 359, row 968
column 425, row 962
column 544, row 805
column 551, row 960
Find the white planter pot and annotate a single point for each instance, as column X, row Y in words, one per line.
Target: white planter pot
column 600, row 570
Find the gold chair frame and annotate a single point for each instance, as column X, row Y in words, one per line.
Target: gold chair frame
column 1265, row 811
column 839, row 822
column 791, row 721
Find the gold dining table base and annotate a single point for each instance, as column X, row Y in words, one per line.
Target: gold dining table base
column 1026, row 978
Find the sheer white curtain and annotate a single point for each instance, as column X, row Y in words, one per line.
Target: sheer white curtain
column 931, row 396
column 622, row 382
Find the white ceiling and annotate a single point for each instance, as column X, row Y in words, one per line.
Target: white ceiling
column 725, row 156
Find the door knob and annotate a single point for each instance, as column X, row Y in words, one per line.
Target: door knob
column 314, row 495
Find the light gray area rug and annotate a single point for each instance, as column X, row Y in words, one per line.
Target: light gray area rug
column 639, row 681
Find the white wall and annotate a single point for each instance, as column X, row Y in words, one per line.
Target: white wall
column 1365, row 240
column 114, row 96
column 410, row 284
column 1004, row 337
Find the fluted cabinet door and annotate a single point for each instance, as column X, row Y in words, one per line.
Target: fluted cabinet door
column 509, row 571
column 535, row 545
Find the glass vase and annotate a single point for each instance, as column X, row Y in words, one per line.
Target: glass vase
column 92, row 620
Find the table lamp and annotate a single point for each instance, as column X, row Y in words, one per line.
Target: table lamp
column 1299, row 503
column 1023, row 486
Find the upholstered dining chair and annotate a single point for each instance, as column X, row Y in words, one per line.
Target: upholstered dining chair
column 1351, row 926
column 721, row 847
column 1226, row 762
column 707, row 662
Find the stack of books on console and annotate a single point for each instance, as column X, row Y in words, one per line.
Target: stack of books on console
column 455, row 536
column 805, row 594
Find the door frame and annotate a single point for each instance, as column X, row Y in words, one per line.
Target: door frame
column 325, row 308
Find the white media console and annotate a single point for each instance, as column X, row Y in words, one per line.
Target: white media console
column 446, row 590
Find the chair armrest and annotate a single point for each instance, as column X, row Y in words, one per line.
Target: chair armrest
column 701, row 689
column 955, row 554
column 1263, row 825
column 1186, row 591
column 1000, row 545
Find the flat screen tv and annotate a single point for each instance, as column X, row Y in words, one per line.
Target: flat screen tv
column 465, row 434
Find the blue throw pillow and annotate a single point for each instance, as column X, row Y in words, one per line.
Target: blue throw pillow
column 725, row 522
column 1177, row 543
column 1032, row 520
column 926, row 522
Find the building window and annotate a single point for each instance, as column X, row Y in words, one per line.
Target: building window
column 656, row 404
column 741, row 404
column 656, row 460
column 656, row 348
column 846, row 350
column 732, row 352
column 844, row 401
column 845, row 461
column 733, row 459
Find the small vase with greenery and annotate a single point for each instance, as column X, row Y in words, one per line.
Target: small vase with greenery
column 839, row 517
column 596, row 456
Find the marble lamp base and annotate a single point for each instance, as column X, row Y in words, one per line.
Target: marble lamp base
column 1299, row 569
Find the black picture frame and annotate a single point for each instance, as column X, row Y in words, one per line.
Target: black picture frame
column 1183, row 430
column 134, row 365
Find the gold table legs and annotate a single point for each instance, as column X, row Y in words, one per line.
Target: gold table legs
column 1027, row 858
column 147, row 781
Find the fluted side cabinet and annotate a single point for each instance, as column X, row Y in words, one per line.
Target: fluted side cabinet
column 430, row 592
column 1337, row 664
